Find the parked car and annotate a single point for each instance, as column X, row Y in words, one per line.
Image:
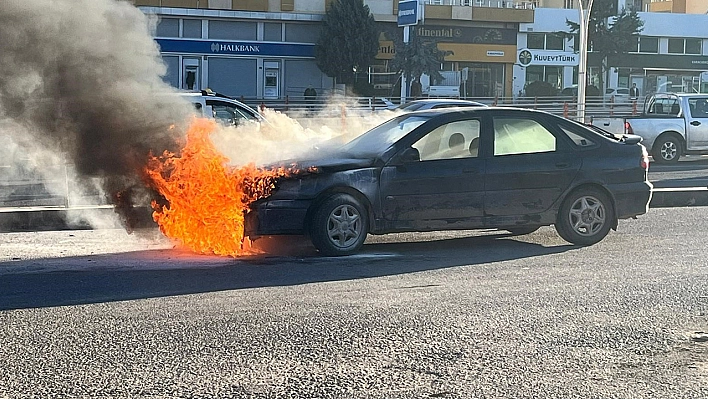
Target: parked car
column 617, row 95
column 435, row 103
column 224, row 109
column 374, row 103
column 461, row 168
column 672, row 125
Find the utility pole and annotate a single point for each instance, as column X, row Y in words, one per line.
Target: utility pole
column 584, row 9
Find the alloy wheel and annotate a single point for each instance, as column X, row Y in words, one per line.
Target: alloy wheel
column 344, row 226
column 587, row 215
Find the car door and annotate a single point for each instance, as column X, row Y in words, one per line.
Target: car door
column 697, row 123
column 528, row 170
column 444, row 187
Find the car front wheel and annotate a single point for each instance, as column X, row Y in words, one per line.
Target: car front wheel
column 585, row 217
column 339, row 226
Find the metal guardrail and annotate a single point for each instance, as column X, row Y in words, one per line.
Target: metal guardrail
column 299, row 106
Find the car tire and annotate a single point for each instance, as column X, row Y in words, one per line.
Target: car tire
column 667, row 149
column 585, row 217
column 339, row 226
column 522, row 230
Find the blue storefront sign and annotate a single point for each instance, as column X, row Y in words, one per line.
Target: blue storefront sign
column 236, row 48
column 407, row 12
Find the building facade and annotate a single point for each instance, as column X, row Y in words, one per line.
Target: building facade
column 671, row 54
column 677, row 6
column 265, row 49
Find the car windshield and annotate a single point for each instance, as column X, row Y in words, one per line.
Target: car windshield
column 378, row 139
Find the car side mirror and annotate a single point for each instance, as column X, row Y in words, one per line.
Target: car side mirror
column 408, row 155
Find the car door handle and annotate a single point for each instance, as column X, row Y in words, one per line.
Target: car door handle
column 562, row 165
column 695, row 123
column 469, row 170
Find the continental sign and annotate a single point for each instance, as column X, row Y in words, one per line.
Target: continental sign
column 466, row 34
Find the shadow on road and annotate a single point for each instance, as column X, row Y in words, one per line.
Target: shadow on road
column 150, row 274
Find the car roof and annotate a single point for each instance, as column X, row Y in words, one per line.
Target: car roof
column 475, row 110
column 444, row 101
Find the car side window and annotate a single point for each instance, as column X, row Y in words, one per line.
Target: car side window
column 521, row 136
column 229, row 113
column 459, row 139
column 579, row 140
column 699, row 107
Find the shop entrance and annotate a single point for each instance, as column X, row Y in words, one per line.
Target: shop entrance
column 483, row 80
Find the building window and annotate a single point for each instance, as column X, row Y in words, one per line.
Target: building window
column 535, row 41
column 549, row 74
column 167, row 27
column 272, row 32
column 675, row 46
column 648, row 44
column 545, row 41
column 693, row 46
column 554, row 42
column 192, row 28
column 569, row 4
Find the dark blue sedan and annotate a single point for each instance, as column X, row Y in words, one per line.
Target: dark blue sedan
column 456, row 169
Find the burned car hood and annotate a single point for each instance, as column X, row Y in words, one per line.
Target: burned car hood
column 330, row 165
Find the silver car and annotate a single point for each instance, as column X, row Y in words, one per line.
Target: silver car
column 434, row 103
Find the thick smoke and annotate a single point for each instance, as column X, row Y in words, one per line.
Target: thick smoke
column 82, row 101
column 80, row 84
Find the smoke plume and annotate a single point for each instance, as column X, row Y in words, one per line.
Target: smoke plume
column 78, row 84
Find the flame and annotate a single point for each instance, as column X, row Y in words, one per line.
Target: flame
column 206, row 198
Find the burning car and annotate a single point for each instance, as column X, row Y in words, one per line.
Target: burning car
column 455, row 169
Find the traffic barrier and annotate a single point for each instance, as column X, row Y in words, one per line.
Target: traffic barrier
column 344, row 116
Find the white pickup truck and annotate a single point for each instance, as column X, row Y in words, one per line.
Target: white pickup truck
column 672, row 125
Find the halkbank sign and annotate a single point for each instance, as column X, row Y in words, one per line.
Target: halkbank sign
column 545, row 57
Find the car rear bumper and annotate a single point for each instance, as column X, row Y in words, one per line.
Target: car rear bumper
column 276, row 218
column 631, row 199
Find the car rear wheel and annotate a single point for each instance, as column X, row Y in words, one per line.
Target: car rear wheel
column 585, row 217
column 667, row 149
column 339, row 226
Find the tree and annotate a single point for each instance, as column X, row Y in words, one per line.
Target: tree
column 348, row 41
column 416, row 57
column 610, row 33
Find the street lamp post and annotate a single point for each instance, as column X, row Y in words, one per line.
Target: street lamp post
column 584, row 8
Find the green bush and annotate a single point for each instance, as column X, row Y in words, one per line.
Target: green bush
column 363, row 88
column 541, row 89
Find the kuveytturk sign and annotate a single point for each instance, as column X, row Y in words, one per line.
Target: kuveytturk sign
column 544, row 57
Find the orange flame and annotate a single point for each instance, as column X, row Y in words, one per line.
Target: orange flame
column 206, row 198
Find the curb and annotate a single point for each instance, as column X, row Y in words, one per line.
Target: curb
column 679, row 197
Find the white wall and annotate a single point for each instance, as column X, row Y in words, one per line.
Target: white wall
column 380, row 7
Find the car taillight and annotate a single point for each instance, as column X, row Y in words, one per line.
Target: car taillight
column 645, row 159
column 628, row 128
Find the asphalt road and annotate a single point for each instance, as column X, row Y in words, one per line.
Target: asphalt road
column 691, row 171
column 101, row 314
